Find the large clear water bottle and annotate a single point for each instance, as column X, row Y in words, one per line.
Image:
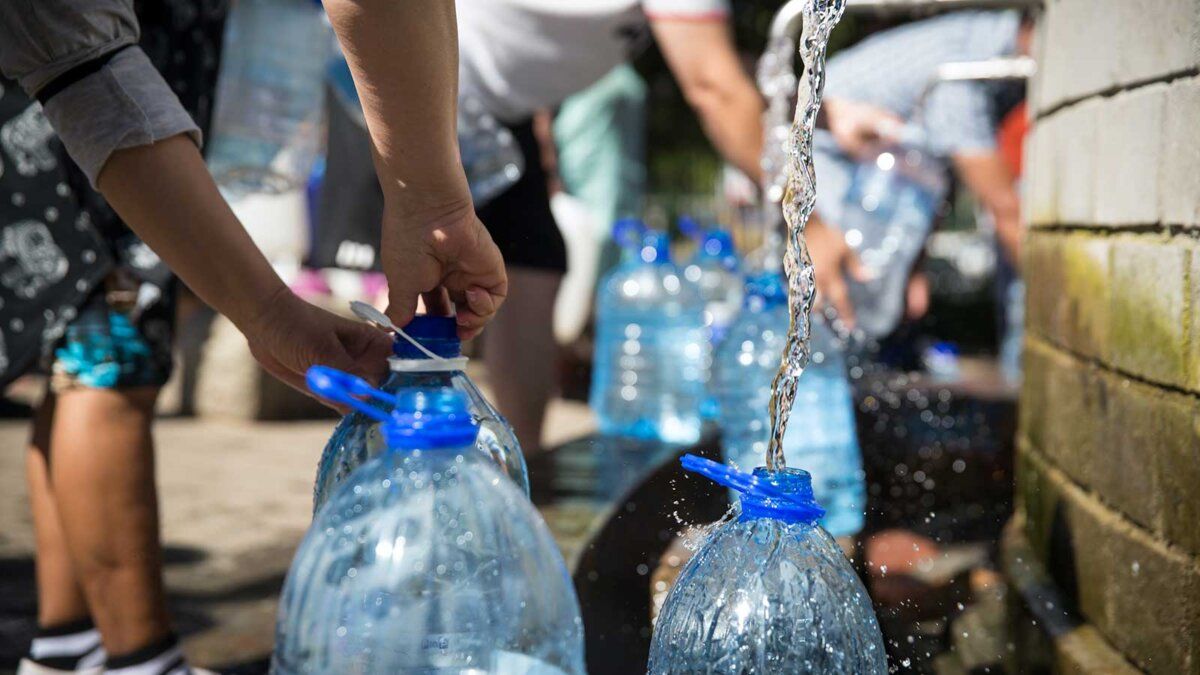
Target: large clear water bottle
column 651, row 349
column 887, row 215
column 768, row 592
column 821, row 436
column 266, row 130
column 435, row 361
column 428, row 560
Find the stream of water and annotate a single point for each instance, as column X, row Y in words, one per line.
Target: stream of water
column 820, row 16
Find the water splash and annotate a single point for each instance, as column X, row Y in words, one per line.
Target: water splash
column 820, row 16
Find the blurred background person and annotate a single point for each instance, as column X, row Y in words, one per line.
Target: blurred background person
column 880, row 92
column 520, row 57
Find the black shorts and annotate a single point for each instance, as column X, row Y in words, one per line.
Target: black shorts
column 520, row 219
column 351, row 205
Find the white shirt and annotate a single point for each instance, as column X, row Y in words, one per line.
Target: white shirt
column 517, row 56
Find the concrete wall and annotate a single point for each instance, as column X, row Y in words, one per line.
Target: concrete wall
column 1109, row 459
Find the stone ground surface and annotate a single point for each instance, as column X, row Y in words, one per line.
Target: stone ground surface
column 236, row 497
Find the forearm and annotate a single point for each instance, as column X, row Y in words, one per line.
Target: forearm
column 166, row 195
column 732, row 119
column 404, row 57
column 702, row 57
column 988, row 178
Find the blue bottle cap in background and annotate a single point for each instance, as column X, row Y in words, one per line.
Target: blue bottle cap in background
column 767, row 287
column 656, row 248
column 690, row 228
column 438, row 334
column 628, row 232
column 430, row 419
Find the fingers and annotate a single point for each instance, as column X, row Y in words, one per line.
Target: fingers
column 837, row 294
column 291, row 378
column 854, row 266
column 477, row 309
column 366, row 350
column 437, row 302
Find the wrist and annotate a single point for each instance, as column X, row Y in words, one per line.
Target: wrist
column 259, row 309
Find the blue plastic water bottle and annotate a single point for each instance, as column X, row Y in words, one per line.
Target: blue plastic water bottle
column 651, row 349
column 716, row 271
column 358, row 437
column 267, row 120
column 427, row 560
column 821, row 436
column 769, row 592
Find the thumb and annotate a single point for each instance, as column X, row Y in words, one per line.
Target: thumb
column 854, row 267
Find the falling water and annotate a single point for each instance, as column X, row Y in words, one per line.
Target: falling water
column 820, row 16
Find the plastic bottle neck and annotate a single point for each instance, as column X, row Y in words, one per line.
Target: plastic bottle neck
column 427, row 365
column 802, row 506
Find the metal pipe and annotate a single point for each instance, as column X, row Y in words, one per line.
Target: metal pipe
column 936, row 5
column 789, row 20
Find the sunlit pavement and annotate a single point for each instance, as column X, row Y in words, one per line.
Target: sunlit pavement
column 235, row 500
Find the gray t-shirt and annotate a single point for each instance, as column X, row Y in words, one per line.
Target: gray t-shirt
column 126, row 103
column 892, row 68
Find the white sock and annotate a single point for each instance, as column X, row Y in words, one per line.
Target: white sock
column 162, row 658
column 73, row 646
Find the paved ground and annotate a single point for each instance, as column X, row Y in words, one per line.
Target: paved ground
column 235, row 500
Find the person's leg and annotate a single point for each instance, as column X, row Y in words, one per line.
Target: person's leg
column 60, row 599
column 103, row 477
column 521, row 353
column 66, row 639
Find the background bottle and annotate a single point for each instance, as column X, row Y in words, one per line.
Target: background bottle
column 266, row 130
column 887, row 215
column 821, row 437
column 651, row 349
column 716, row 271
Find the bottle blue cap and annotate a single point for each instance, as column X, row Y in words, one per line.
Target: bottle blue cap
column 785, row 495
column 769, row 288
column 425, row 419
column 438, row 334
column 628, row 232
column 656, row 248
column 690, row 228
column 430, row 419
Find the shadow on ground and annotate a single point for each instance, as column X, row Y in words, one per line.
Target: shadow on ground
column 197, row 609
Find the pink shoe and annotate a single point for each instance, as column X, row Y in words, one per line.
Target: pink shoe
column 310, row 284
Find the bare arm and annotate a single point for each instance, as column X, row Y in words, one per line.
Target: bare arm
column 988, row 178
column 164, row 192
column 404, row 58
column 702, row 57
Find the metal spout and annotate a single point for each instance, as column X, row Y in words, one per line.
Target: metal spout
column 789, row 20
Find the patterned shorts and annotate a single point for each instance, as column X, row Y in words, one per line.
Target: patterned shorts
column 113, row 343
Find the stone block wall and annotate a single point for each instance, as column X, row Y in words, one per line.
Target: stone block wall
column 1109, row 441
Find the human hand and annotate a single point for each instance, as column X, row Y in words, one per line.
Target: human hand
column 859, row 128
column 443, row 255
column 916, row 296
column 834, row 261
column 289, row 335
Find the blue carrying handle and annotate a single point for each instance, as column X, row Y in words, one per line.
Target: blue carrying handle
column 723, row 474
column 336, row 386
column 761, row 498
